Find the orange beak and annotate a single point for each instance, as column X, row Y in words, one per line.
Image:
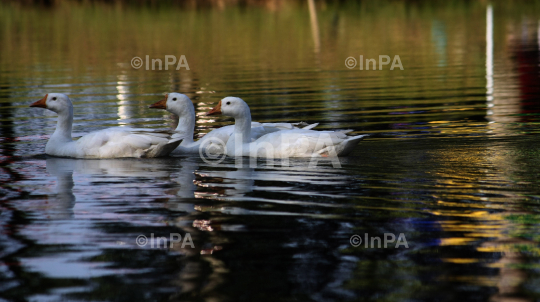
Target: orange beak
column 161, row 104
column 215, row 110
column 41, row 103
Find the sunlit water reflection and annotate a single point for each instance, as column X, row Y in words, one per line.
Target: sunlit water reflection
column 452, row 162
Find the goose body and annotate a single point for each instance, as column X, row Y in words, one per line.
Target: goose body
column 215, row 140
column 107, row 143
column 284, row 143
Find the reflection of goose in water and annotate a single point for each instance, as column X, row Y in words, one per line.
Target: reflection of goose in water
column 156, row 168
column 62, row 204
column 186, row 178
column 229, row 184
column 231, row 181
column 108, row 193
column 186, row 189
column 227, row 181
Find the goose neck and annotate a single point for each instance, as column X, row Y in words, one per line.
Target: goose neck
column 242, row 126
column 64, row 125
column 186, row 127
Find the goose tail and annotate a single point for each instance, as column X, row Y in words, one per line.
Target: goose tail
column 311, row 126
column 164, row 149
column 347, row 146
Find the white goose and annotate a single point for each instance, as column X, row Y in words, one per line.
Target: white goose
column 215, row 140
column 281, row 144
column 107, row 143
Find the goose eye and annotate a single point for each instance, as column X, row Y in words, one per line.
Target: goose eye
column 228, row 103
column 174, row 99
column 54, row 99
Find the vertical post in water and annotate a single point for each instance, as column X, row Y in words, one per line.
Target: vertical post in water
column 489, row 58
column 538, row 36
column 314, row 25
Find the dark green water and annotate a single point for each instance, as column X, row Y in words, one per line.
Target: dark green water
column 452, row 162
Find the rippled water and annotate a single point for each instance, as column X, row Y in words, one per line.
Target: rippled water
column 452, row 162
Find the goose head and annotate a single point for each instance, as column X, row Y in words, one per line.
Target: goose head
column 57, row 102
column 231, row 106
column 176, row 103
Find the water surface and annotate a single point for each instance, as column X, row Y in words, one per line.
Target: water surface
column 452, row 161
